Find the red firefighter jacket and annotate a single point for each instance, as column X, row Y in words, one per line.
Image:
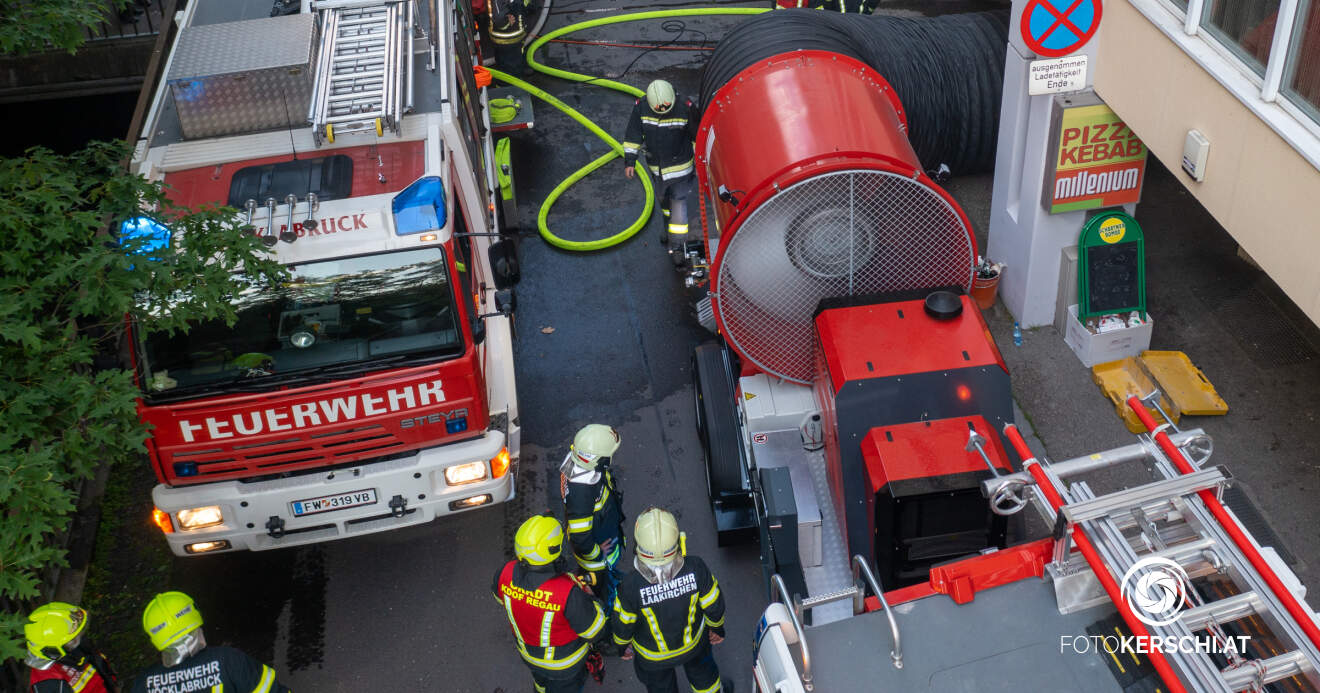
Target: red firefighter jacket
column 552, row 619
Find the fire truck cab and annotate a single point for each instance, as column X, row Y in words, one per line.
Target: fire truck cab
column 375, row 388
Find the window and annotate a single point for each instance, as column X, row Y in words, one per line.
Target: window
column 1245, row 26
column 330, row 177
column 1265, row 52
column 331, row 318
column 1302, row 80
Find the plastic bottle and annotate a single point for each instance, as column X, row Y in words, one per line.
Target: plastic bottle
column 1017, row 334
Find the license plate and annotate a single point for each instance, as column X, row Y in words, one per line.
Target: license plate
column 338, row 501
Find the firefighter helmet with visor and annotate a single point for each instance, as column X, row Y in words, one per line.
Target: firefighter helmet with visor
column 174, row 625
column 52, row 631
column 659, row 545
column 539, row 540
column 593, row 442
column 660, row 96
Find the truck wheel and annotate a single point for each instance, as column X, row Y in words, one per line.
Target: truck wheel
column 717, row 419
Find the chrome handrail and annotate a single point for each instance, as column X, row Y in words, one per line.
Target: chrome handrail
column 788, row 601
column 859, row 564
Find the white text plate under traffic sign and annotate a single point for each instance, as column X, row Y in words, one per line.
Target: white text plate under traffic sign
column 1057, row 75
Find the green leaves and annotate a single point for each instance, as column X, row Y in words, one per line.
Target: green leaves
column 32, row 26
column 66, row 286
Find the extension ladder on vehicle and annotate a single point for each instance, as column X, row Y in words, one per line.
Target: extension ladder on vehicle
column 1173, row 519
column 364, row 67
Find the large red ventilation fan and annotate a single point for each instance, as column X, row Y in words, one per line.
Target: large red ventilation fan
column 816, row 193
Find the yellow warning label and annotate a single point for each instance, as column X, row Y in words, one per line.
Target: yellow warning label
column 1112, row 230
column 749, row 396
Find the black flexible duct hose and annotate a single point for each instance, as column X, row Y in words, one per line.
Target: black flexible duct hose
column 947, row 70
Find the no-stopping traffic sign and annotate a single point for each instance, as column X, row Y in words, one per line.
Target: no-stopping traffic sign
column 1055, row 28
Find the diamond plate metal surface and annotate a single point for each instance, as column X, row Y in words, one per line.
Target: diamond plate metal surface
column 241, row 77
column 846, row 233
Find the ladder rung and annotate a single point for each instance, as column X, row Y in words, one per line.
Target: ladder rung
column 365, row 118
column 1127, row 499
column 368, row 96
column 1286, row 665
column 360, row 81
column 349, row 65
column 365, row 19
column 847, row 593
column 1222, row 611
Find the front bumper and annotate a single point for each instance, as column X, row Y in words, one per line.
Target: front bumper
column 408, row 491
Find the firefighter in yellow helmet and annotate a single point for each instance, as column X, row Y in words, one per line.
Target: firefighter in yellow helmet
column 665, row 126
column 554, row 621
column 670, row 611
column 61, row 658
column 174, row 625
column 593, row 506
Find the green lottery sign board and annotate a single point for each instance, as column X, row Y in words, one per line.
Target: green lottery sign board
column 1111, row 267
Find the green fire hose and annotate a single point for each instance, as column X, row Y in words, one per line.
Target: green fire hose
column 616, row 149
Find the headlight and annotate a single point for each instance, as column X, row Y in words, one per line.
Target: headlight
column 465, row 473
column 197, row 518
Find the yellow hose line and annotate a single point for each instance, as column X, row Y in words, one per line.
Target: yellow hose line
column 616, row 149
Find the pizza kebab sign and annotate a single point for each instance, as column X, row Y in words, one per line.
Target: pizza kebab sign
column 1097, row 160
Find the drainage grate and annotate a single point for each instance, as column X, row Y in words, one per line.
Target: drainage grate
column 1257, row 324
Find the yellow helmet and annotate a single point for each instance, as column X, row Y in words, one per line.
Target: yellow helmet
column 593, row 442
column 660, row 95
column 657, row 537
column 169, row 618
column 539, row 540
column 52, row 629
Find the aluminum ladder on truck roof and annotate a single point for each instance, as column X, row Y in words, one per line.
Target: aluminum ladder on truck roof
column 1165, row 529
column 364, row 69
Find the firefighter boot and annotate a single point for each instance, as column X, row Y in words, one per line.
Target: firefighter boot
column 664, row 222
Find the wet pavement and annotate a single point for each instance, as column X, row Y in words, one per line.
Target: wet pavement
column 607, row 337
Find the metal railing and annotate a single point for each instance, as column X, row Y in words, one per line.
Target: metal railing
column 861, row 572
column 859, row 565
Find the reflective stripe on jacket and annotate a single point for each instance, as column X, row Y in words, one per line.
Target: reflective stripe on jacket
column 664, row 622
column 553, row 621
column 666, row 136
column 216, row 668
column 61, row 678
column 594, row 513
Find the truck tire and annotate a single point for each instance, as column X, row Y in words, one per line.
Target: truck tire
column 717, row 420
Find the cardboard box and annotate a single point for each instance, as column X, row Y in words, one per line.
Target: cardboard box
column 1108, row 346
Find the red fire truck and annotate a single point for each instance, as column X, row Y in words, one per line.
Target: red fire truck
column 851, row 414
column 374, row 389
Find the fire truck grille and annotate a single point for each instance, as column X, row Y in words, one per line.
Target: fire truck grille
column 847, row 233
column 291, row 453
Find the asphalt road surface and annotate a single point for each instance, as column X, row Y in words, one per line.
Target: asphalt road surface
column 606, row 337
column 601, row 337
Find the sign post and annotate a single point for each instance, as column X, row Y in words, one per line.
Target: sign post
column 1048, row 176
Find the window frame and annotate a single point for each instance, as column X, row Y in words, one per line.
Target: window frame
column 1206, row 45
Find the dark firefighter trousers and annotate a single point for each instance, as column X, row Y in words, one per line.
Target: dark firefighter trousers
column 544, row 684
column 674, row 201
column 702, row 674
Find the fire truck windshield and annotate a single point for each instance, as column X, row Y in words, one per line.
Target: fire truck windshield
column 331, row 319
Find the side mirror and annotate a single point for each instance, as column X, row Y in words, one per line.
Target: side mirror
column 503, row 256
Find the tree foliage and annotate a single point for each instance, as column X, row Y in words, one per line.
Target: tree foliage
column 66, row 285
column 32, row 26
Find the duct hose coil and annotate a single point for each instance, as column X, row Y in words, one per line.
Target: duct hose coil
column 948, row 70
